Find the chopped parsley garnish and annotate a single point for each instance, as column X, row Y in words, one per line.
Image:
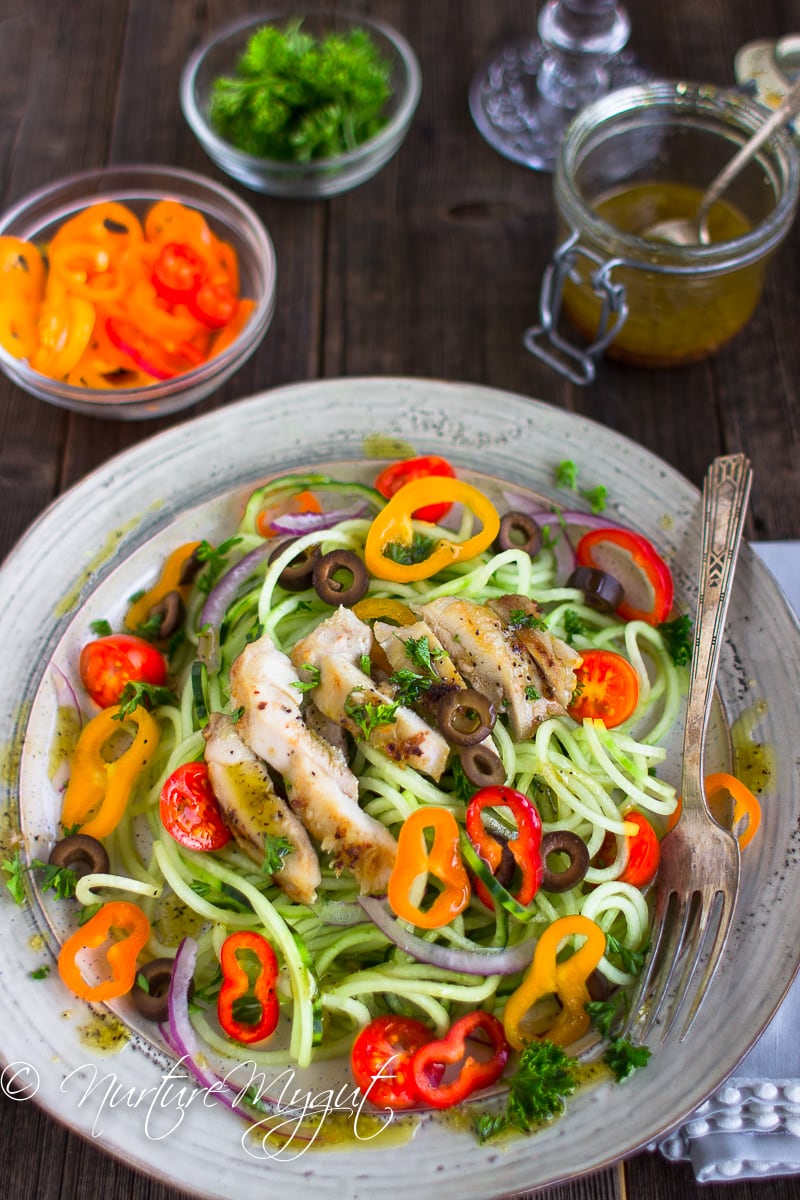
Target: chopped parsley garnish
column 143, row 983
column 573, row 626
column 621, row 1055
column 149, row 695
column 307, row 685
column 369, row 713
column 222, row 896
column 275, row 851
column 87, row 912
column 537, row 1091
column 463, row 788
column 410, row 686
column 518, row 618
column 366, row 664
column 419, row 652
column 60, row 880
column 102, row 628
column 150, row 629
column 407, row 553
column 677, row 636
column 631, row 961
column 215, row 559
column 531, row 693
column 41, row 972
column 624, row 1058
column 15, row 869
column 566, row 474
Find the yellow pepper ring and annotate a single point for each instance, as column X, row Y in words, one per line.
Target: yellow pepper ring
column 169, row 581
column 394, row 525
column 379, row 608
column 98, row 790
column 567, row 980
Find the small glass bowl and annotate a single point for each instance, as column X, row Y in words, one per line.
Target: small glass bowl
column 649, row 302
column 220, row 54
column 37, row 217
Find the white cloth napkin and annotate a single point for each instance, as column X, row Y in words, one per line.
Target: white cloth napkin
column 750, row 1127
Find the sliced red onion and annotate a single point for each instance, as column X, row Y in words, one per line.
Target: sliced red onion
column 65, row 693
column 221, row 596
column 505, row 961
column 297, row 524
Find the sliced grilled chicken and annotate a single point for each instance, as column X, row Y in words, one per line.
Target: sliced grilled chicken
column 554, row 660
column 348, row 696
column 399, row 642
column 254, row 812
column 321, row 788
column 493, row 658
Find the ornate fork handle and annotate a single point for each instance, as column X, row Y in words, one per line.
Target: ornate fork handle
column 725, row 493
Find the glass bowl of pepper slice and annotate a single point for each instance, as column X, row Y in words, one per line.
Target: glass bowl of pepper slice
column 305, row 104
column 131, row 292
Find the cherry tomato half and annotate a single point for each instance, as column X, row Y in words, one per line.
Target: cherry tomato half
column 607, row 688
column 110, row 663
column 381, row 1060
column 189, row 809
column 644, row 852
column 393, row 477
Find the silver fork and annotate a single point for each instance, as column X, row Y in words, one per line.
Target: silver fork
column 699, row 874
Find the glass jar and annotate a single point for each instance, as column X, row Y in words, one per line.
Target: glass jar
column 636, row 156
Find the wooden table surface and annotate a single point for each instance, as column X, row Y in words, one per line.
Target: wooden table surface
column 430, row 269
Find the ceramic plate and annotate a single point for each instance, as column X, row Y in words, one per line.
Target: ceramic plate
column 99, row 542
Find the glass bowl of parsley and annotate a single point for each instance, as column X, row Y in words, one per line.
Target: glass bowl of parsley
column 304, row 104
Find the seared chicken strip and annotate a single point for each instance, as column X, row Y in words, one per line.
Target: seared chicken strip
column 320, row 786
column 254, row 812
column 348, row 696
column 491, row 655
column 553, row 659
column 394, row 641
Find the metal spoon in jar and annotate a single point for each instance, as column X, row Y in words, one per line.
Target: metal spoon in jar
column 691, row 231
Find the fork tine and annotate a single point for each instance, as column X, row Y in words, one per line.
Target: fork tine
column 670, row 954
column 712, row 963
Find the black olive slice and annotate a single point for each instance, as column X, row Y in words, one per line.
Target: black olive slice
column 598, row 986
column 171, row 611
column 564, row 841
column 508, row 864
column 518, row 531
column 340, row 577
column 482, row 766
column 601, row 591
column 465, row 717
column 190, row 568
column 296, row 575
column 82, row 854
column 152, row 999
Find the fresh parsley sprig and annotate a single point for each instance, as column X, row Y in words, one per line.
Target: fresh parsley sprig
column 296, row 98
column 537, row 1091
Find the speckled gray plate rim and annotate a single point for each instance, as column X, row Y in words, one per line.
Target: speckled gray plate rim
column 110, row 528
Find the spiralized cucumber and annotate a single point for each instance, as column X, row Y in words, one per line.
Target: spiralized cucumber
column 584, row 777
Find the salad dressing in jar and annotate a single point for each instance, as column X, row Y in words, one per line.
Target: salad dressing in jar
column 642, row 155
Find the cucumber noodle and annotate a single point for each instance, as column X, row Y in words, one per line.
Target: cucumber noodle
column 337, row 969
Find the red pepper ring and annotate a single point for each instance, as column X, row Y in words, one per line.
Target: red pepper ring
column 639, row 568
column 236, row 985
column 428, row 1061
column 178, row 272
column 525, row 847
